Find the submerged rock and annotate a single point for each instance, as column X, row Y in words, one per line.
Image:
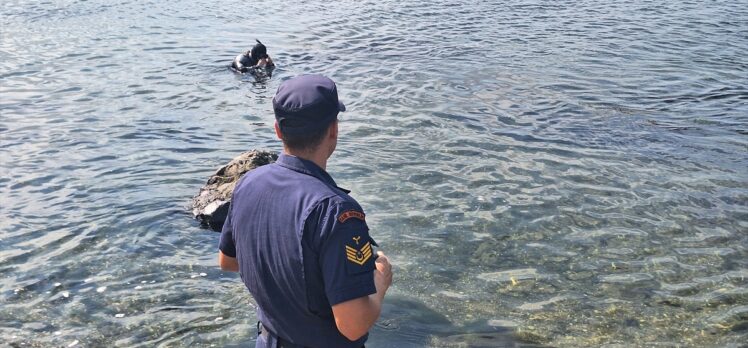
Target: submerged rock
column 483, row 340
column 211, row 205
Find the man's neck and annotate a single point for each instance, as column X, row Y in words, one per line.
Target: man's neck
column 317, row 157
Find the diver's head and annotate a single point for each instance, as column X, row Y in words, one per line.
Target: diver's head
column 259, row 51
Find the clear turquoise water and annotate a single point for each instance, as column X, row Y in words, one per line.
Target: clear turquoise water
column 556, row 173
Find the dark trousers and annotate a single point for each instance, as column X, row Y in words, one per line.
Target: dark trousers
column 267, row 339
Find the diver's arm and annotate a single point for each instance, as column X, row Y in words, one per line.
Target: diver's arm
column 246, row 68
column 260, row 63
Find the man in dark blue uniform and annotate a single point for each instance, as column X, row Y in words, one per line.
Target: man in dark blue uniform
column 300, row 242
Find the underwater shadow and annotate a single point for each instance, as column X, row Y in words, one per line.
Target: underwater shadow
column 407, row 323
column 254, row 76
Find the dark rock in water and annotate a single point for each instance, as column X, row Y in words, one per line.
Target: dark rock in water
column 211, row 205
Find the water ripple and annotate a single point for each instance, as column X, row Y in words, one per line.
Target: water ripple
column 571, row 173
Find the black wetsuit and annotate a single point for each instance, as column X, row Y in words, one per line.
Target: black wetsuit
column 243, row 62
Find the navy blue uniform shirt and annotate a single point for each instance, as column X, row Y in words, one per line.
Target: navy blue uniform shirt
column 302, row 245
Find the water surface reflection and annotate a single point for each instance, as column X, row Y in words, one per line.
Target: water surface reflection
column 564, row 174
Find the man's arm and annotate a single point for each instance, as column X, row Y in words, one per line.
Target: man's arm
column 355, row 317
column 226, row 247
column 227, row 263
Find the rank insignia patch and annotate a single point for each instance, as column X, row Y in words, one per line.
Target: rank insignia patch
column 351, row 214
column 358, row 256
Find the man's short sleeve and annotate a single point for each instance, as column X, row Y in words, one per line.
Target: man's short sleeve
column 226, row 242
column 346, row 254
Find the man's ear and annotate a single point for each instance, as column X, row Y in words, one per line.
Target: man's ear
column 333, row 133
column 278, row 131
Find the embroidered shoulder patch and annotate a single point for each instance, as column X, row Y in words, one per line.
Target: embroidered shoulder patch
column 358, row 256
column 351, row 214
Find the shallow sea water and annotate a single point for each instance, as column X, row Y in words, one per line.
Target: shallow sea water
column 568, row 173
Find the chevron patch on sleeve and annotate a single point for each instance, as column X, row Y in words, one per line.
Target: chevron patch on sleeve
column 358, row 256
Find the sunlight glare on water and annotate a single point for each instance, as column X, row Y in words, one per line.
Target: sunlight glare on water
column 568, row 173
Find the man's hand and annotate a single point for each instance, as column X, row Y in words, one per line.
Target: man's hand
column 383, row 274
column 354, row 318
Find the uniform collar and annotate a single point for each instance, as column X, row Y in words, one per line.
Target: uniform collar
column 307, row 167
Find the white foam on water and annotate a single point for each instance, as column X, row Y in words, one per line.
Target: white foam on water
column 626, row 278
column 452, row 294
column 502, row 323
column 514, row 274
column 535, row 306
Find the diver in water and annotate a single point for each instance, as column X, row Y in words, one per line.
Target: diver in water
column 257, row 57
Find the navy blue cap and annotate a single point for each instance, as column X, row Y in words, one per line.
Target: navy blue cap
column 306, row 103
